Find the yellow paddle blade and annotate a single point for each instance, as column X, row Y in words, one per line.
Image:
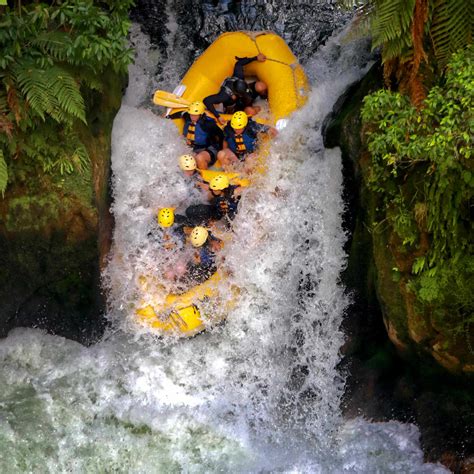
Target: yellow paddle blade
column 167, row 95
column 234, row 178
column 167, row 99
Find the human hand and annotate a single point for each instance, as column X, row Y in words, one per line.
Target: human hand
column 261, row 58
column 273, row 132
column 203, row 186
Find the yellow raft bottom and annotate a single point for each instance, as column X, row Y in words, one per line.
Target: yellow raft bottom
column 179, row 314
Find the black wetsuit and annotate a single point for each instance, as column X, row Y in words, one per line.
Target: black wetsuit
column 241, row 104
column 224, row 96
column 220, row 206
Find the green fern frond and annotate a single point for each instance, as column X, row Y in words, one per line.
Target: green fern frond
column 32, row 85
column 54, row 43
column 51, row 91
column 3, row 102
column 391, row 22
column 3, row 173
column 451, row 28
column 67, row 93
column 392, row 18
column 79, row 157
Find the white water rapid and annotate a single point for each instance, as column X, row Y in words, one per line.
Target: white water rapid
column 259, row 393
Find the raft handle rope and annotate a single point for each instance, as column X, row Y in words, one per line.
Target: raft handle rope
column 292, row 66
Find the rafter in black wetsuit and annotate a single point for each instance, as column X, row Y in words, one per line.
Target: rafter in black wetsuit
column 223, row 96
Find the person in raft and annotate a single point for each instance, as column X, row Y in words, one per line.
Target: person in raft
column 188, row 165
column 236, row 93
column 173, row 228
column 203, row 264
column 240, row 140
column 224, row 200
column 202, row 134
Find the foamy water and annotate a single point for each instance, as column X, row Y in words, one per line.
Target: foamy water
column 260, row 393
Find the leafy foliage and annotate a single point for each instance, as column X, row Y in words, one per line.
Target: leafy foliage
column 451, row 27
column 50, row 55
column 422, row 169
column 3, row 173
column 51, row 91
column 410, row 32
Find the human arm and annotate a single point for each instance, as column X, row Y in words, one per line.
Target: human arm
column 238, row 191
column 218, row 98
column 273, row 132
column 176, row 115
column 241, row 62
column 204, row 186
column 200, row 183
column 214, row 131
column 216, row 244
column 261, row 128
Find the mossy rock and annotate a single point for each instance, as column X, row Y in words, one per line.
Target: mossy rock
column 55, row 232
column 379, row 265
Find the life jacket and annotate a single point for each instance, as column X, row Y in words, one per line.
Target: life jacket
column 191, row 134
column 207, row 256
column 195, row 134
column 243, row 143
column 226, row 204
column 240, row 144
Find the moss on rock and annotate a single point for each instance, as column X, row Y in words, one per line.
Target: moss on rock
column 55, row 232
column 419, row 386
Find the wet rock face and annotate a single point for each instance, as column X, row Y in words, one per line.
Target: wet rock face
column 378, row 262
column 55, row 233
column 304, row 25
column 383, row 323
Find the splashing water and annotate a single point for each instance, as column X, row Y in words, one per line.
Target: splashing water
column 260, row 393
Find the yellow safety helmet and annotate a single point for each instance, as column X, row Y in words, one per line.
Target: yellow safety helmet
column 219, row 182
column 187, row 162
column 166, row 217
column 239, row 120
column 198, row 236
column 196, row 108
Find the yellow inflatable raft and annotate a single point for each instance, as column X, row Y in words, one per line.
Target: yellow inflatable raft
column 287, row 91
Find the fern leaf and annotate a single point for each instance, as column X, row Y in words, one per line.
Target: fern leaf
column 91, row 79
column 52, row 91
column 391, row 23
column 80, row 159
column 34, row 87
column 67, row 93
column 54, row 43
column 392, row 18
column 3, row 174
column 3, row 102
column 451, row 28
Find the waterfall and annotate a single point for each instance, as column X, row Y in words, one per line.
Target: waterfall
column 261, row 392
